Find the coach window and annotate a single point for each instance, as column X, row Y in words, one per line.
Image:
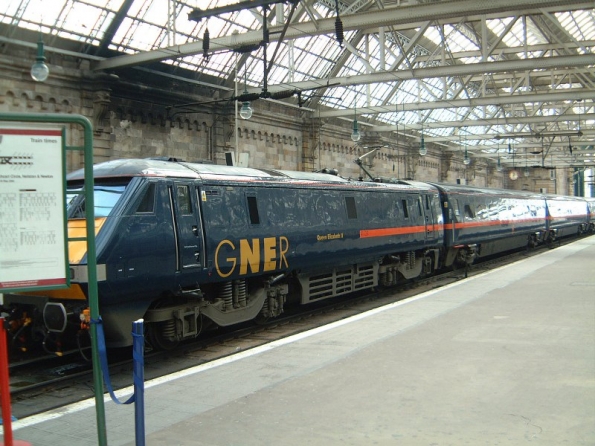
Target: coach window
column 303, row 204
column 253, row 210
column 493, row 210
column 405, row 209
column 184, row 204
column 392, row 211
column 455, row 207
column 468, row 211
column 321, row 216
column 289, row 208
column 223, row 208
column 278, row 212
column 351, row 210
column 147, row 204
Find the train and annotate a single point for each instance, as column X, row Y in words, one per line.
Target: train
column 192, row 246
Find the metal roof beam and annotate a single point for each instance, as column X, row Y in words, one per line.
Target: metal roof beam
column 556, row 96
column 484, row 122
column 404, row 17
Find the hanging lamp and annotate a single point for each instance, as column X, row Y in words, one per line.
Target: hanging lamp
column 466, row 159
column 246, row 110
column 355, row 135
column 39, row 70
column 422, row 146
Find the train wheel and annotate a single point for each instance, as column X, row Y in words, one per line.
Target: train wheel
column 264, row 316
column 428, row 266
column 161, row 335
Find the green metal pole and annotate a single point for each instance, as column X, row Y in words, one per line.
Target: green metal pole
column 91, row 253
column 92, row 272
column 579, row 182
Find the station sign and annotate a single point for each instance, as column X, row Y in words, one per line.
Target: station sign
column 33, row 250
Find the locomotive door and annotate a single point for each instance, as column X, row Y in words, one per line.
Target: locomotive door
column 429, row 217
column 187, row 228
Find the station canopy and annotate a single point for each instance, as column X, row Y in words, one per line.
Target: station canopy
column 503, row 79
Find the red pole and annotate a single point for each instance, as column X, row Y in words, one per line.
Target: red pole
column 5, row 391
column 5, row 386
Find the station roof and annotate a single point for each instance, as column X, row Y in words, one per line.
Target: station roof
column 504, row 79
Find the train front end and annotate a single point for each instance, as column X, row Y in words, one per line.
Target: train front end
column 59, row 319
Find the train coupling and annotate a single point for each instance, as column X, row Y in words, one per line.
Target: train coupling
column 85, row 318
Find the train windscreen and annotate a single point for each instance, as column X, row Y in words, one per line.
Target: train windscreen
column 105, row 197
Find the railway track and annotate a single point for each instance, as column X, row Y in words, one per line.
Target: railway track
column 38, row 385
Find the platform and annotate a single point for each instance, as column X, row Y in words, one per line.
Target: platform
column 502, row 358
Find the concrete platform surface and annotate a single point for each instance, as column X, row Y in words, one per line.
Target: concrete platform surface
column 503, row 358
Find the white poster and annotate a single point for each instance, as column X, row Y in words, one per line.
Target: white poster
column 33, row 253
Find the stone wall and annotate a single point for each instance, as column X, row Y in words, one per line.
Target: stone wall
column 134, row 114
column 551, row 181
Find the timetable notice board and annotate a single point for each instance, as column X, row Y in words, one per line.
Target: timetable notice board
column 33, row 252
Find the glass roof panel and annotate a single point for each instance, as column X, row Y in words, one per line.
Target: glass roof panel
column 515, row 37
column 380, row 92
column 498, row 26
column 84, row 20
column 580, row 24
column 112, row 5
column 459, row 38
column 316, row 57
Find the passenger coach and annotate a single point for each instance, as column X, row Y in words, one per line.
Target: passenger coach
column 566, row 216
column 481, row 222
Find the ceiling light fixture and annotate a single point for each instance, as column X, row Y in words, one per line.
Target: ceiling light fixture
column 397, row 140
column 206, row 40
column 466, row 159
column 422, row 147
column 579, row 118
column 513, row 174
column 355, row 135
column 246, row 110
column 39, row 70
column 338, row 26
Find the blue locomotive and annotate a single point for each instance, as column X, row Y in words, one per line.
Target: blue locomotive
column 188, row 246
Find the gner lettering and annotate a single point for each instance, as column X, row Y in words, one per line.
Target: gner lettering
column 250, row 255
